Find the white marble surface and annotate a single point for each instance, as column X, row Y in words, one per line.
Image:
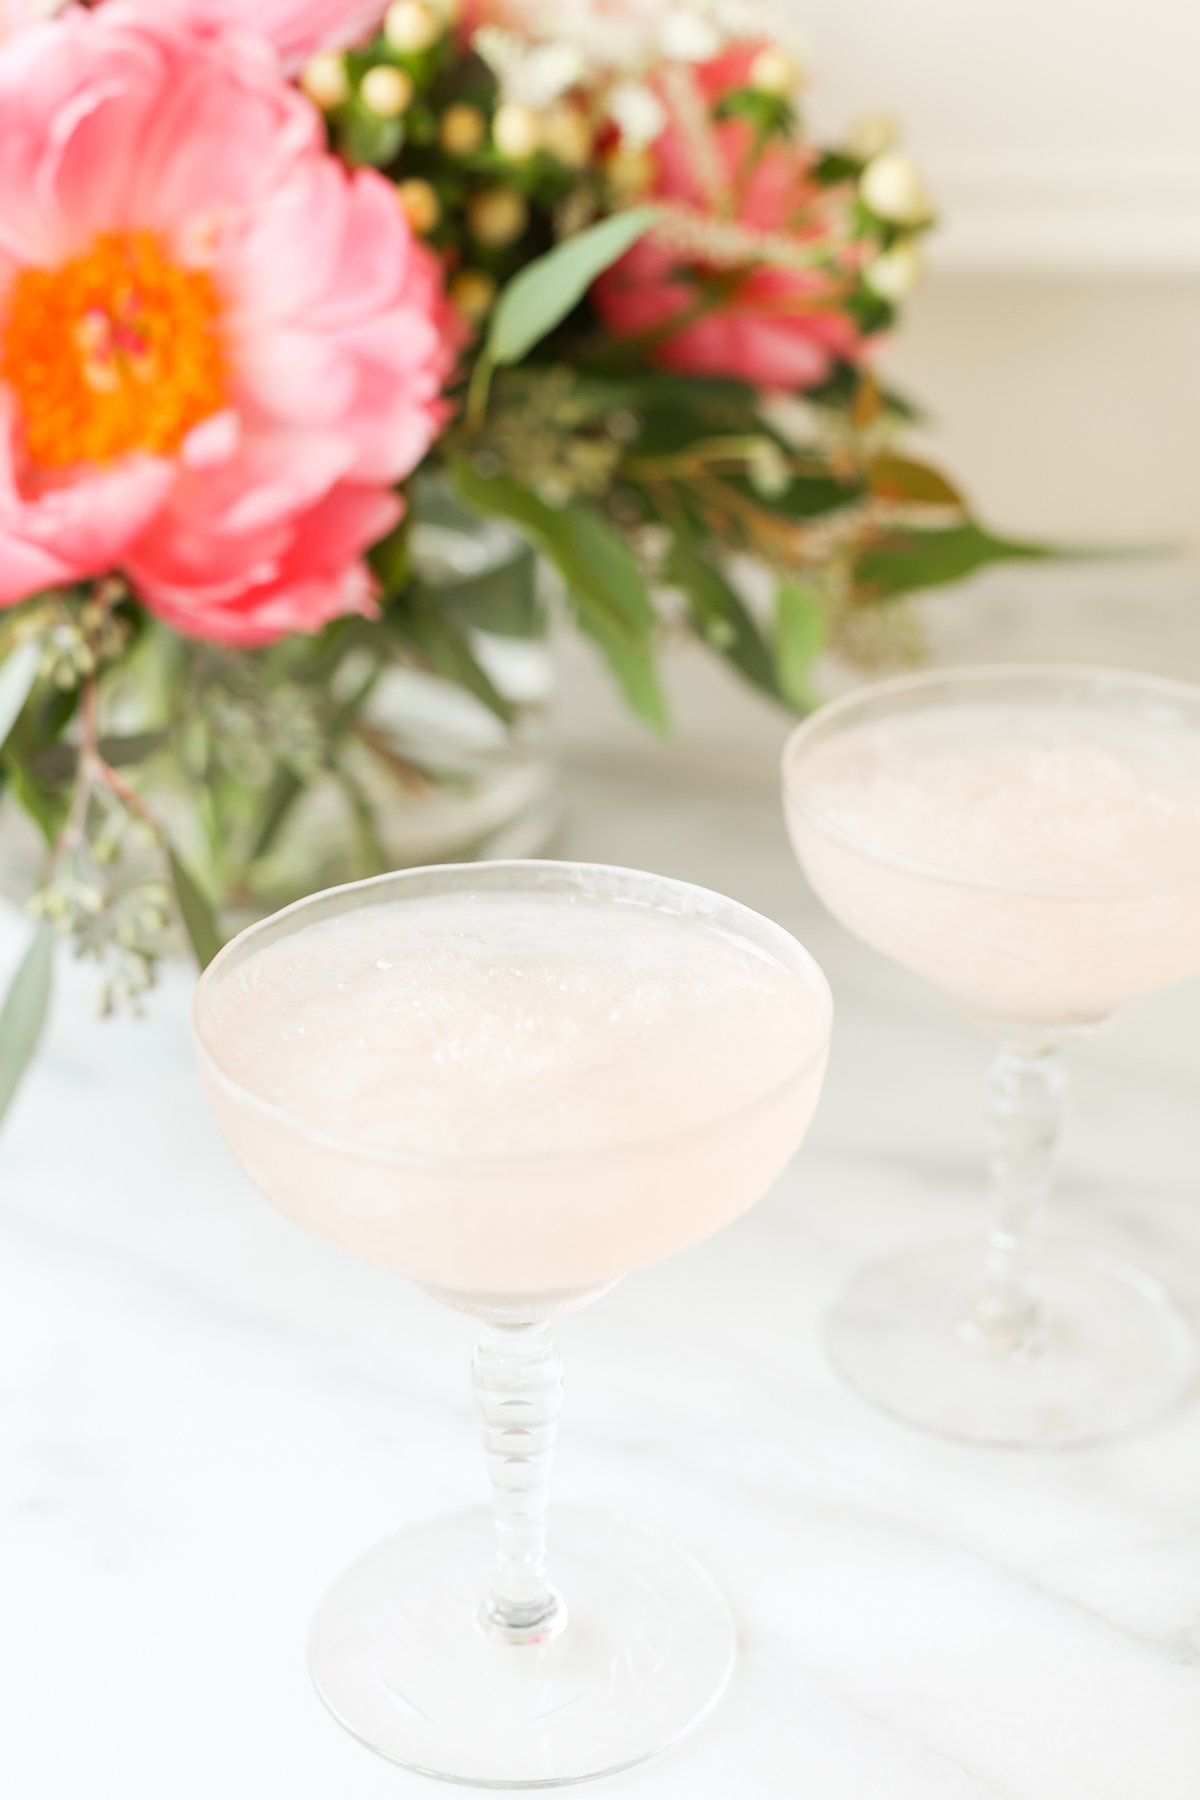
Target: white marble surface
column 204, row 1414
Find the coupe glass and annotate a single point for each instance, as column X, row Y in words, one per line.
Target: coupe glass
column 587, row 1653
column 1028, row 840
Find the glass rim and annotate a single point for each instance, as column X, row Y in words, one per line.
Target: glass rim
column 801, row 961
column 1098, row 675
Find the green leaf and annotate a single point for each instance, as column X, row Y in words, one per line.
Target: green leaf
column 391, row 560
column 804, row 497
column 23, row 1015
column 47, row 807
column 447, row 647
column 904, row 562
column 603, row 581
column 283, row 791
column 801, row 631
column 635, row 670
column 367, row 138
column 768, row 113
column 57, row 763
column 546, row 290
column 600, row 571
column 721, row 616
column 899, row 478
column 199, row 920
column 18, row 672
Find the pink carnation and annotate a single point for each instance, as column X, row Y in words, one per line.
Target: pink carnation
column 773, row 326
column 219, row 350
column 297, row 28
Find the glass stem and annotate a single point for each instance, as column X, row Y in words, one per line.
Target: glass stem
column 517, row 1378
column 1025, row 1105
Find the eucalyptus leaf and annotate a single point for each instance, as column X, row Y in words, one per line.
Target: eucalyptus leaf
column 635, row 670
column 23, row 1014
column 801, row 632
column 18, row 672
column 603, row 581
column 46, row 806
column 199, row 920
column 283, row 791
column 900, row 478
column 600, row 570
column 906, row 561
column 550, row 288
column 57, row 763
column 448, row 648
column 721, row 615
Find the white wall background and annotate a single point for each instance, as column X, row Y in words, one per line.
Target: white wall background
column 1058, row 133
column 1057, row 342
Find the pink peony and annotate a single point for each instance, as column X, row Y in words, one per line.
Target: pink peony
column 739, row 316
column 297, row 28
column 219, row 350
column 16, row 15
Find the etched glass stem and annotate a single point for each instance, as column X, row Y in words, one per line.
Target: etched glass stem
column 517, row 1377
column 1025, row 1104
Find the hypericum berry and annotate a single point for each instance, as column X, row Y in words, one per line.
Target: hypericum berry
column 462, row 130
column 497, row 216
column 410, row 26
column 386, row 91
column 419, row 204
column 567, row 134
column 325, row 80
column 472, row 292
column 516, row 131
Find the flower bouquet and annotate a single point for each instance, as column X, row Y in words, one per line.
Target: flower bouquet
column 583, row 270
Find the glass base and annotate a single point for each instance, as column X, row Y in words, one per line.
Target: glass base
column 399, row 1655
column 1106, row 1350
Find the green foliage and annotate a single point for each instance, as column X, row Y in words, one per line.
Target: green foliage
column 721, row 616
column 195, row 910
column 603, row 581
column 771, row 115
column 18, row 672
column 448, row 650
column 552, row 286
column 801, row 633
column 902, row 481
column 23, row 1014
column 905, row 561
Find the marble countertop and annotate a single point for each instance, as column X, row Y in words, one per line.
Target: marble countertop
column 205, row 1414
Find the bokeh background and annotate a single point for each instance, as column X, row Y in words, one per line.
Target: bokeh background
column 1058, row 338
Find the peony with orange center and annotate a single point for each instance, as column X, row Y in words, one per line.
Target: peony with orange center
column 115, row 351
column 220, row 348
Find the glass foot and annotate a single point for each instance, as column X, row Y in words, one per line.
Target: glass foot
column 1106, row 1352
column 399, row 1655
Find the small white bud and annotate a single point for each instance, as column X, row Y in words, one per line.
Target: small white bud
column 892, row 187
column 774, row 72
column 686, row 37
column 871, row 135
column 895, row 274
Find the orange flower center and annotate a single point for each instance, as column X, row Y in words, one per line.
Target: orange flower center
column 115, row 351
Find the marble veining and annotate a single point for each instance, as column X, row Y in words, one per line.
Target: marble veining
column 205, row 1415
